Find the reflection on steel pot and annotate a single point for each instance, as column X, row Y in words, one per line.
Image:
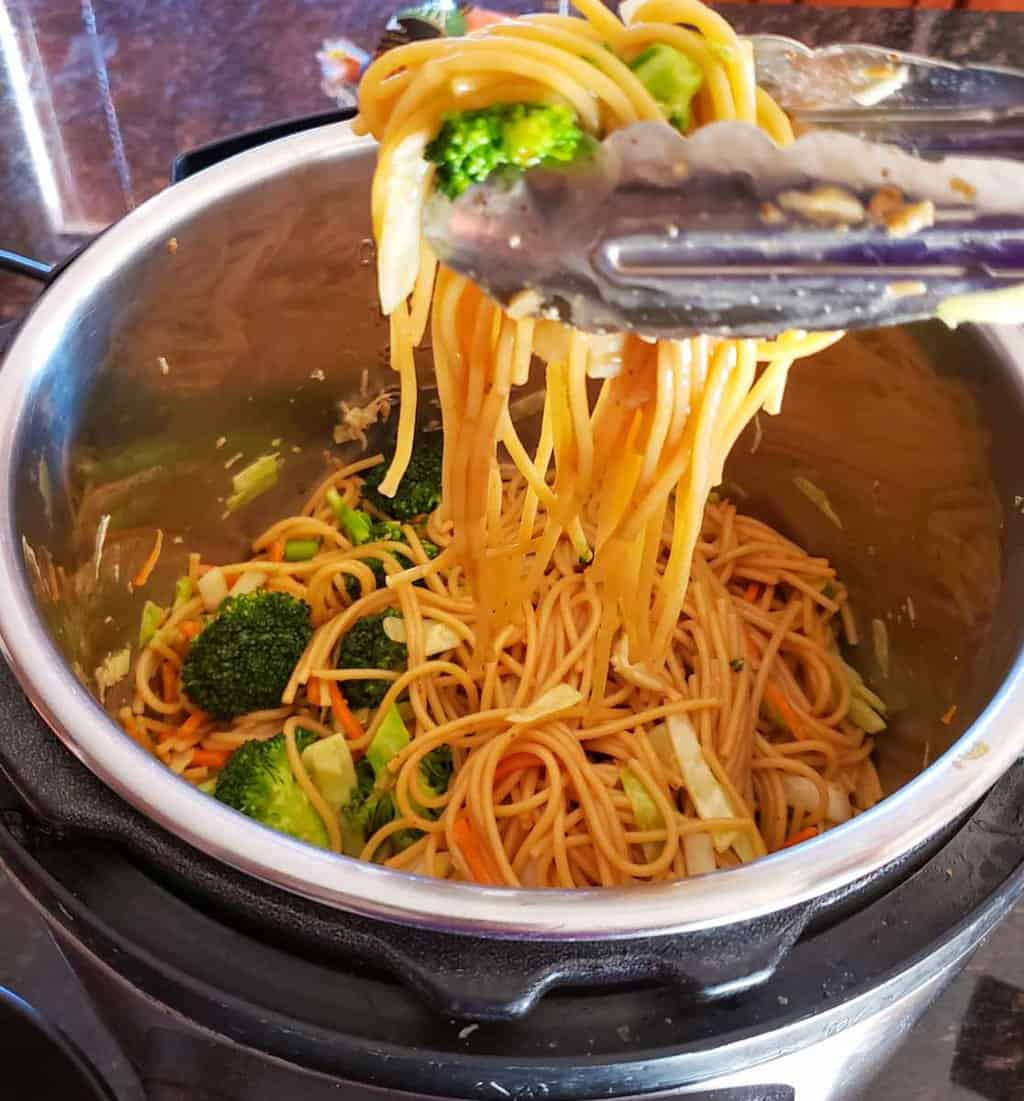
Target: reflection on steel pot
column 262, row 317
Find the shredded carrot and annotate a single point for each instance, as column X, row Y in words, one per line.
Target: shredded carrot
column 313, row 692
column 169, row 681
column 211, row 758
column 803, row 835
column 189, row 629
column 190, row 725
column 773, row 694
column 477, row 859
column 154, row 556
column 343, row 716
column 950, row 714
column 276, row 551
column 133, row 731
column 752, row 593
column 513, row 762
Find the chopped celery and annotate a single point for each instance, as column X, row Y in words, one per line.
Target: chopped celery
column 391, row 738
column 645, row 811
column 672, row 78
column 256, row 478
column 301, row 550
column 152, row 616
column 355, row 523
column 183, row 589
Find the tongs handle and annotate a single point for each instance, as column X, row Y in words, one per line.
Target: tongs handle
column 919, row 103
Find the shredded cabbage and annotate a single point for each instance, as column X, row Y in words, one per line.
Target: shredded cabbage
column 640, row 675
column 552, row 702
column 817, row 496
column 708, row 795
column 213, row 588
column 249, row 582
column 112, row 670
column 645, row 810
column 802, row 794
column 699, row 853
column 437, row 637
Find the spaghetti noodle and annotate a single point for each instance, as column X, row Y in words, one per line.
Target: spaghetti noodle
column 640, row 682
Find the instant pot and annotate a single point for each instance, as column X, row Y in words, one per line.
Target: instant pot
column 233, row 313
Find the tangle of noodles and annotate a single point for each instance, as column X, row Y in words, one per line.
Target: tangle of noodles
column 646, row 682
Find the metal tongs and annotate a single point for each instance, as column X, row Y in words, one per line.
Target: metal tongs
column 901, row 199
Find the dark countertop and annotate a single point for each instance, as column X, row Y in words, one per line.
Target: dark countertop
column 96, row 98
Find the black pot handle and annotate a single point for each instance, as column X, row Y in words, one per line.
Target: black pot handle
column 204, row 156
column 51, row 792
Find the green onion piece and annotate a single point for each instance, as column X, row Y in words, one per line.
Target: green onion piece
column 152, row 616
column 736, row 665
column 301, row 550
column 256, row 478
column 355, row 524
column 391, row 738
column 183, row 589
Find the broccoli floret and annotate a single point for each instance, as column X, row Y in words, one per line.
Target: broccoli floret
column 372, row 807
column 258, row 781
column 366, row 646
column 473, row 144
column 419, row 491
column 672, row 78
column 391, row 532
column 437, row 767
column 243, row 659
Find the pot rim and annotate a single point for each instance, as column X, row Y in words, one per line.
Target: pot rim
column 849, row 852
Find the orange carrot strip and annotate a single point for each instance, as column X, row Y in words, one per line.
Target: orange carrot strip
column 136, row 734
column 477, row 859
column 513, row 762
column 343, row 716
column 154, row 556
column 211, row 758
column 189, row 629
column 276, row 551
column 773, row 694
column 169, row 681
column 313, row 692
column 950, row 714
column 191, row 724
column 803, row 835
column 752, row 593
column 187, row 728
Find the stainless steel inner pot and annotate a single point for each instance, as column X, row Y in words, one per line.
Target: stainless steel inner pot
column 263, row 316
